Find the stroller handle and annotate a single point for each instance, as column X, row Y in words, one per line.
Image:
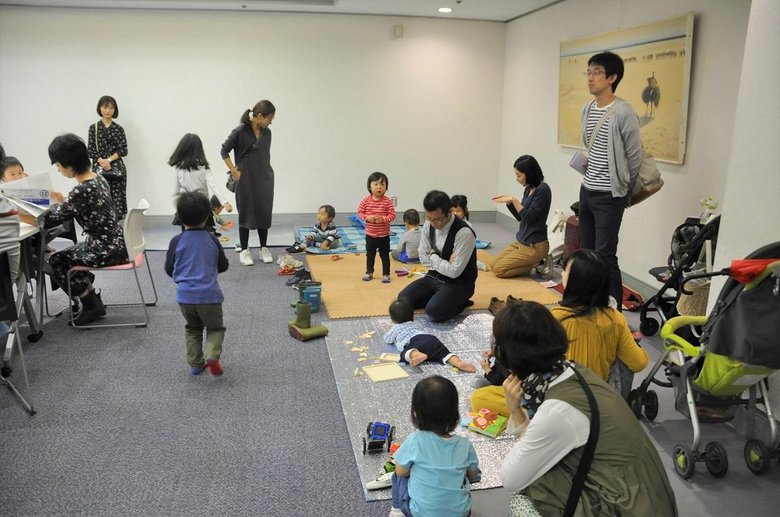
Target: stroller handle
column 674, row 342
column 697, row 276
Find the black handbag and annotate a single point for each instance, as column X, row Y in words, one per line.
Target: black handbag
column 231, row 181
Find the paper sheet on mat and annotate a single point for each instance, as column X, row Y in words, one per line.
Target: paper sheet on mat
column 385, row 372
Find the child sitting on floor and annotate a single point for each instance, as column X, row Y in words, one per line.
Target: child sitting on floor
column 414, row 344
column 325, row 234
column 216, row 210
column 409, row 243
column 434, row 468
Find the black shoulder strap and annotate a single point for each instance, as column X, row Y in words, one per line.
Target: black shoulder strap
column 587, row 454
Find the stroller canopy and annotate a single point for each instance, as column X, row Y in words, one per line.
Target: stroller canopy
column 745, row 322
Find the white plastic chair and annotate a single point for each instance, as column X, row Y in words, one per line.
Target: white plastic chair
column 136, row 250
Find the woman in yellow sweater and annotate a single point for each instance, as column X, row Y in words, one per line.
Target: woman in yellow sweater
column 598, row 333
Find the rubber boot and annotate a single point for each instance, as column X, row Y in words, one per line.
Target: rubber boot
column 303, row 315
column 92, row 308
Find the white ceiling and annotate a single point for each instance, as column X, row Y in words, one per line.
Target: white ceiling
column 487, row 10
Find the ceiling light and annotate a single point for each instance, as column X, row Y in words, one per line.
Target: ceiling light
column 445, row 9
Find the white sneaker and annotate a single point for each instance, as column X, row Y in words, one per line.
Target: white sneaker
column 396, row 512
column 288, row 260
column 245, row 257
column 383, row 481
column 238, row 247
column 265, row 255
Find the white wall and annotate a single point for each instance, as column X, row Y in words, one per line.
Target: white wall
column 350, row 98
column 531, row 110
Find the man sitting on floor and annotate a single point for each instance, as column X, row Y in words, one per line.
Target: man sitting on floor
column 448, row 249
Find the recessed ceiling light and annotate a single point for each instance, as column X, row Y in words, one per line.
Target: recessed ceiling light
column 445, row 9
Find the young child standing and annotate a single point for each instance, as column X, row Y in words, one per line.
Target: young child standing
column 194, row 259
column 434, row 468
column 414, row 344
column 325, row 233
column 409, row 243
column 378, row 212
column 193, row 173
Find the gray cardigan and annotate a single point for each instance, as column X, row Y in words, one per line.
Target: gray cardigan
column 624, row 147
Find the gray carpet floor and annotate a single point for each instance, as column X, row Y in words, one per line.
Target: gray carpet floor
column 123, row 429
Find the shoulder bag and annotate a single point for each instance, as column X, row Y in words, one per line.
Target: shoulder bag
column 648, row 181
column 231, row 181
column 114, row 172
column 579, row 162
column 587, row 454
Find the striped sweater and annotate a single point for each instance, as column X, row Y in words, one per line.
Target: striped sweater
column 382, row 207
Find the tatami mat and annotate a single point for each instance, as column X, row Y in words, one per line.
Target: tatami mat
column 346, row 295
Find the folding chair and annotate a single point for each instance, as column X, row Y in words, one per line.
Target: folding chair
column 136, row 250
column 10, row 313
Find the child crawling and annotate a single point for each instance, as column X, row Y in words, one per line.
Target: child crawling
column 414, row 344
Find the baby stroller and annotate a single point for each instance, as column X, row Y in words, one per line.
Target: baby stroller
column 736, row 352
column 687, row 254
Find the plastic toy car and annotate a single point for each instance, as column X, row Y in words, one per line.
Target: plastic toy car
column 379, row 436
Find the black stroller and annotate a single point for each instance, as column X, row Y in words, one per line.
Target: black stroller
column 736, row 352
column 687, row 254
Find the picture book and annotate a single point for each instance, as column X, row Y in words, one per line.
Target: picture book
column 487, row 422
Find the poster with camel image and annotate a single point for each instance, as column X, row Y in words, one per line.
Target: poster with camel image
column 656, row 83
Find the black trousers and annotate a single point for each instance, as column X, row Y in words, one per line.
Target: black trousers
column 381, row 244
column 442, row 300
column 429, row 345
column 600, row 218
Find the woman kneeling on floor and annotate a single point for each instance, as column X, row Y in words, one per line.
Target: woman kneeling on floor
column 90, row 204
column 553, row 405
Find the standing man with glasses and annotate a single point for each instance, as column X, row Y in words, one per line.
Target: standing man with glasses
column 448, row 248
column 610, row 132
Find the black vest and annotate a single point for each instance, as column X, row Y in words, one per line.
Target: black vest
column 469, row 275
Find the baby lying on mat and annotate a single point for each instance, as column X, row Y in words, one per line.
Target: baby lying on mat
column 414, row 344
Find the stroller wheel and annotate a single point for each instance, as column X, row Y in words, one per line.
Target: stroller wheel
column 635, row 403
column 684, row 463
column 757, row 456
column 649, row 326
column 716, row 459
column 650, row 403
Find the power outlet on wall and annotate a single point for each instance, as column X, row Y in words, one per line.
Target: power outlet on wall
column 394, row 200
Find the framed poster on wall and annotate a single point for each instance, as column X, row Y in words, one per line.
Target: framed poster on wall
column 656, row 82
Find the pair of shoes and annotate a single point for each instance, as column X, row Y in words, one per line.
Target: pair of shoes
column 215, row 368
column 385, row 279
column 300, row 275
column 289, row 260
column 245, row 258
column 367, row 277
column 237, row 248
column 197, row 370
column 285, row 271
column 383, row 481
column 297, row 247
column 265, row 255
